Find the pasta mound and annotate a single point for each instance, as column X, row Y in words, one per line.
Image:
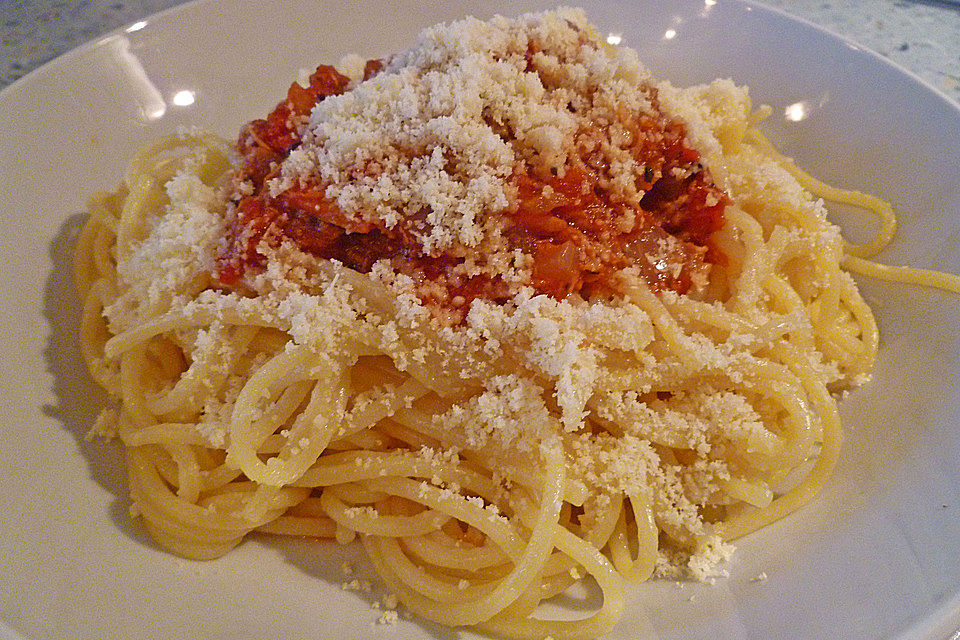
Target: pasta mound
column 503, row 306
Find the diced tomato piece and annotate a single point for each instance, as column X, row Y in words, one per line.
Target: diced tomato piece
column 372, row 68
column 556, row 268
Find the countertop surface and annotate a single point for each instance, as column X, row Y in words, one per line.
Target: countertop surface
column 921, row 36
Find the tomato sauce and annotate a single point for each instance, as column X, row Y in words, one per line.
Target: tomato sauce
column 568, row 223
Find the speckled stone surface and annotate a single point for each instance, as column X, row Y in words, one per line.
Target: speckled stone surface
column 922, row 36
column 33, row 32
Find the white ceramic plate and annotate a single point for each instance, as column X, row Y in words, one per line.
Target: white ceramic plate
column 877, row 556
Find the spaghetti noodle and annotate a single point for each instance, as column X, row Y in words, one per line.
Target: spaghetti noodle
column 502, row 306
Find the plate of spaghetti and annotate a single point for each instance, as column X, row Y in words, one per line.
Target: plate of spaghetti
column 480, row 321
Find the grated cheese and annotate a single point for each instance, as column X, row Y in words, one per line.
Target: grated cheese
column 419, row 147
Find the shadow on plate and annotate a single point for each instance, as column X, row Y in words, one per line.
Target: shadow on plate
column 79, row 398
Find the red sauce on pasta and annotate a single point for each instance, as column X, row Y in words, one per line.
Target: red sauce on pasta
column 568, row 223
